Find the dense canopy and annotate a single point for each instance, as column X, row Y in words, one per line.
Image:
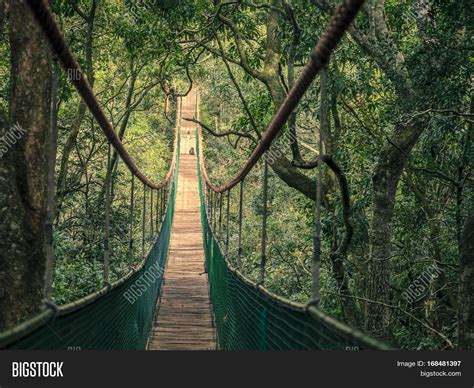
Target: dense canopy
column 385, row 132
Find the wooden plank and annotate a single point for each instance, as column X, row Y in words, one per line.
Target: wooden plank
column 184, row 319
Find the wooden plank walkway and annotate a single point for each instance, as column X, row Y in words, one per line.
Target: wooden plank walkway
column 184, row 320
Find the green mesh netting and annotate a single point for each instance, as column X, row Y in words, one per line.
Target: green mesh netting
column 248, row 317
column 121, row 318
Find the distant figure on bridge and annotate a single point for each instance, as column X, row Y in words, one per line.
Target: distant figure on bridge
column 191, row 151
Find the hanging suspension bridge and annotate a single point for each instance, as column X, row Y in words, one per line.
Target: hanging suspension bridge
column 187, row 294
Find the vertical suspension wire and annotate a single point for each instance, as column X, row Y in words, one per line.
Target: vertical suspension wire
column 152, row 236
column 241, row 203
column 211, row 218
column 157, row 219
column 227, row 225
column 208, row 200
column 180, row 110
column 220, row 214
column 107, row 219
column 316, row 259
column 164, row 201
column 162, row 204
column 143, row 221
column 214, row 212
column 210, row 207
column 315, row 288
column 168, row 192
column 263, row 261
column 131, row 222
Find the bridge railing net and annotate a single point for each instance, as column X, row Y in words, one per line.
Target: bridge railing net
column 249, row 317
column 117, row 318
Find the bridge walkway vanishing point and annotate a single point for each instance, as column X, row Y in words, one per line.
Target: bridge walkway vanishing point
column 183, row 320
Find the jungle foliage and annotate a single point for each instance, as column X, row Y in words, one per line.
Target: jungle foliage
column 394, row 111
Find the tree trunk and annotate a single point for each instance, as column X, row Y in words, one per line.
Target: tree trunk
column 385, row 181
column 387, row 171
column 384, row 187
column 23, row 170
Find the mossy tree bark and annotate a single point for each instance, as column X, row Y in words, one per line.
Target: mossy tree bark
column 23, row 169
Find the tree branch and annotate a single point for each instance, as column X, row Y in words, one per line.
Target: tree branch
column 421, row 322
column 260, row 6
column 76, row 8
column 244, row 63
column 221, row 134
column 239, row 91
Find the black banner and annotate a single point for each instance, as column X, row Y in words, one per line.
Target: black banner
column 266, row 369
